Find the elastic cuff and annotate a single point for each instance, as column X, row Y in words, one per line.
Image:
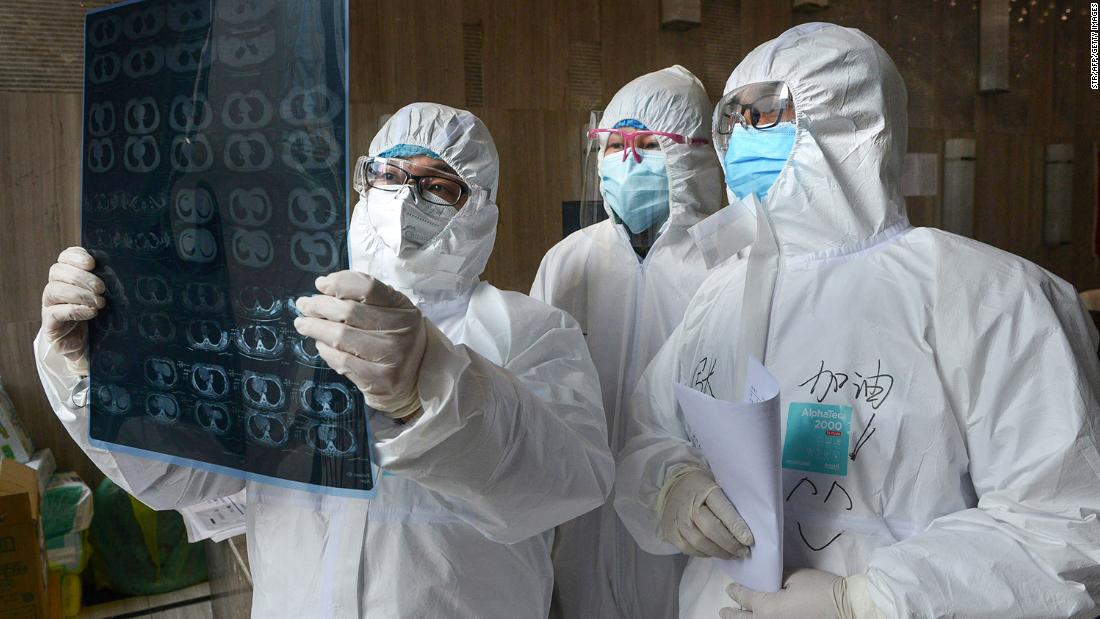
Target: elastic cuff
column 78, row 367
column 858, row 603
column 398, row 409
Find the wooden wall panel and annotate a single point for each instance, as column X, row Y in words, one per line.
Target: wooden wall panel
column 526, row 62
column 1065, row 61
column 40, row 148
column 365, row 124
column 1084, row 269
column 20, row 378
column 540, row 179
column 956, row 68
column 41, row 45
column 762, row 21
column 585, row 84
column 911, row 38
column 721, row 44
column 684, row 48
column 39, row 216
column 412, row 52
column 1041, row 43
column 628, row 29
column 866, row 15
column 583, row 19
column 925, row 210
column 1085, row 273
column 1008, row 196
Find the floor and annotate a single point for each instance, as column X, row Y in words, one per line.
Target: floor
column 190, row 603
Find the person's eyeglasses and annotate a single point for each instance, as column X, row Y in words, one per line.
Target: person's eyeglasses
column 631, row 138
column 762, row 105
column 392, row 174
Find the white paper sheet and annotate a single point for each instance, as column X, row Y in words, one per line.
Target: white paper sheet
column 742, row 445
column 216, row 519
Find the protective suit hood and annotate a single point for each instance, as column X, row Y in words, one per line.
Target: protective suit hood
column 448, row 266
column 841, row 186
column 673, row 100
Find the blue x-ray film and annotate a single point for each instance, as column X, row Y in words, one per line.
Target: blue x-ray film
column 214, row 193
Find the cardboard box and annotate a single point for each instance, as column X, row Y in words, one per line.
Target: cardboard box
column 22, row 555
column 44, row 464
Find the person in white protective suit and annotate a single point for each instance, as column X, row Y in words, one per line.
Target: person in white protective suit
column 960, row 474
column 496, row 435
column 627, row 305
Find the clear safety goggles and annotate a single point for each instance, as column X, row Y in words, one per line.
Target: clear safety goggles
column 762, row 105
column 633, row 140
column 388, row 174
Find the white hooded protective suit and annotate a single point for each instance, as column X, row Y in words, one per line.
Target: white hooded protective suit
column 627, row 308
column 511, row 442
column 964, row 378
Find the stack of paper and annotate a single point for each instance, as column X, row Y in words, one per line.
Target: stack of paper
column 742, row 445
column 217, row 519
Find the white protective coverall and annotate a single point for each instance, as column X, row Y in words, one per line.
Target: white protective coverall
column 511, row 442
column 972, row 481
column 627, row 308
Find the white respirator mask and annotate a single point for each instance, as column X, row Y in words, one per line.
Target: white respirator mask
column 403, row 221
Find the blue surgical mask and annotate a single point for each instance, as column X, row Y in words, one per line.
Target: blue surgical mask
column 637, row 191
column 755, row 158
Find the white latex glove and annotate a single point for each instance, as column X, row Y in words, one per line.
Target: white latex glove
column 371, row 334
column 808, row 593
column 697, row 517
column 72, row 297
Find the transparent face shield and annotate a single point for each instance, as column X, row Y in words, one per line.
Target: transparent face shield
column 591, row 206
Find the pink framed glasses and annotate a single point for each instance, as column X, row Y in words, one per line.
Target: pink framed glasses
column 630, row 137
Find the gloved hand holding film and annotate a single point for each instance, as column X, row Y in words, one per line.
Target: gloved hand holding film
column 72, row 297
column 369, row 333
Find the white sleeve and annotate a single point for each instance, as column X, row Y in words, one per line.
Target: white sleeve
column 1026, row 393
column 157, row 484
column 517, row 450
column 656, row 445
